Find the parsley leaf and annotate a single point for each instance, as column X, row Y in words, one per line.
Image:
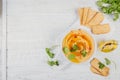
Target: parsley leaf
column 107, row 61
column 111, row 7
column 101, row 65
column 52, row 63
column 66, row 50
column 50, row 54
column 74, row 48
column 116, row 16
column 83, row 52
column 71, row 56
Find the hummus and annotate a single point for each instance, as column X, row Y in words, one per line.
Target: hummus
column 78, row 46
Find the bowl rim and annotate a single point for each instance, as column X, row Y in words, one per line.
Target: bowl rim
column 84, row 28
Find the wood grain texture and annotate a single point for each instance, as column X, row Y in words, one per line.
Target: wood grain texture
column 0, row 39
column 32, row 26
column 3, row 37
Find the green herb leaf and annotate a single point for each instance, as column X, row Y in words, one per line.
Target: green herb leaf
column 56, row 63
column 111, row 7
column 99, row 3
column 71, row 56
column 107, row 61
column 105, row 9
column 101, row 65
column 116, row 16
column 74, row 48
column 50, row 54
column 84, row 53
column 66, row 50
column 52, row 63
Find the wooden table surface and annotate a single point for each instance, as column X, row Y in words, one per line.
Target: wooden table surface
column 33, row 25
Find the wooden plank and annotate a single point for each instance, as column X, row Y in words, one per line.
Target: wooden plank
column 4, row 40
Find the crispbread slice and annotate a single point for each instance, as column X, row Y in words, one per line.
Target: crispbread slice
column 80, row 13
column 91, row 14
column 95, row 63
column 85, row 11
column 100, row 29
column 97, row 19
column 94, row 70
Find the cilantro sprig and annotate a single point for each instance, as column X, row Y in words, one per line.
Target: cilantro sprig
column 74, row 48
column 52, row 63
column 111, row 7
column 50, row 54
column 107, row 61
column 83, row 52
column 66, row 50
column 101, row 65
column 71, row 56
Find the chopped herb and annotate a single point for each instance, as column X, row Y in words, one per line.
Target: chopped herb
column 107, row 61
column 100, row 3
column 50, row 54
column 116, row 16
column 101, row 65
column 74, row 48
column 52, row 63
column 111, row 7
column 66, row 50
column 83, row 52
column 56, row 63
column 71, row 56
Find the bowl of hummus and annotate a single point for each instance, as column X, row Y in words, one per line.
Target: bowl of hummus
column 78, row 46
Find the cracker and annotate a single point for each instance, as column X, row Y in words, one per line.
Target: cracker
column 85, row 10
column 95, row 64
column 97, row 19
column 100, row 29
column 91, row 14
column 80, row 13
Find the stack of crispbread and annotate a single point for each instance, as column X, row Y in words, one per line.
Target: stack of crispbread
column 93, row 19
column 95, row 68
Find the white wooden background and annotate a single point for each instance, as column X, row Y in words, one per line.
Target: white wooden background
column 33, row 25
column 0, row 38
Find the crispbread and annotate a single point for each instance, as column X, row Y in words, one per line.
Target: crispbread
column 97, row 19
column 91, row 14
column 94, row 70
column 85, row 11
column 92, row 19
column 80, row 12
column 100, row 29
column 95, row 64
